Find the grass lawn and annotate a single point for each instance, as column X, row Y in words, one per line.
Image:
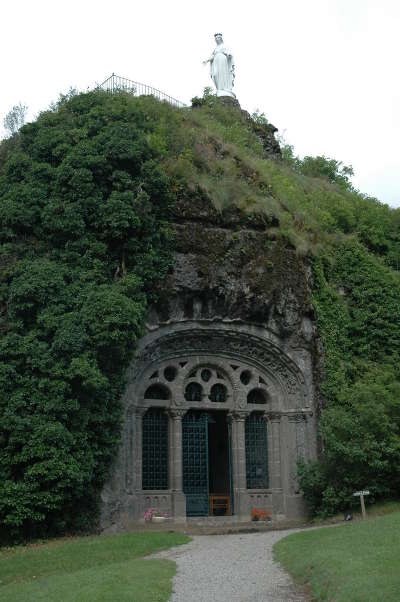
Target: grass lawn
column 89, row 569
column 356, row 562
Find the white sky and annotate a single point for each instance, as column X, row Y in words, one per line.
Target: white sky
column 325, row 72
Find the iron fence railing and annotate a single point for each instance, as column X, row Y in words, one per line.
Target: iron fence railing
column 115, row 83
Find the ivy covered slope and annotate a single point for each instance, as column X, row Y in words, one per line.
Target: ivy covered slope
column 83, row 201
column 86, row 193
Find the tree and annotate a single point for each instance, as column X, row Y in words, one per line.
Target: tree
column 331, row 169
column 83, row 244
column 15, row 118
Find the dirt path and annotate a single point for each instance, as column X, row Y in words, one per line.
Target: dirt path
column 231, row 568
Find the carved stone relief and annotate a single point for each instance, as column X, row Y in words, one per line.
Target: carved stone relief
column 275, row 371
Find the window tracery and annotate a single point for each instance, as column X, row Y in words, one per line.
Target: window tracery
column 193, row 392
column 209, row 381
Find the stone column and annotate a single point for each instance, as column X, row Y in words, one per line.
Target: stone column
column 274, row 435
column 294, row 503
column 239, row 462
column 176, row 477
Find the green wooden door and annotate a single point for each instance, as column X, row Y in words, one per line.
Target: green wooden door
column 195, row 463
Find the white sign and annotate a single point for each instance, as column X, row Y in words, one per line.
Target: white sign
column 358, row 493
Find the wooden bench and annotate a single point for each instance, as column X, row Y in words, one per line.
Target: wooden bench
column 220, row 502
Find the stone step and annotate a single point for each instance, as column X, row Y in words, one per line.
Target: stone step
column 210, row 526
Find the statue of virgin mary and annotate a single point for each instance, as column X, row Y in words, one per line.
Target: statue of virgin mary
column 222, row 68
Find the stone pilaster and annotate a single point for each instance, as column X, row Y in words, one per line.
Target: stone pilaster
column 175, row 451
column 274, row 432
column 296, row 429
column 274, row 448
column 294, row 506
column 239, row 461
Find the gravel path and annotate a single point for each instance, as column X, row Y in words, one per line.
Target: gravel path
column 231, row 568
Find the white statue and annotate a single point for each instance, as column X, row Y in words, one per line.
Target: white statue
column 222, row 68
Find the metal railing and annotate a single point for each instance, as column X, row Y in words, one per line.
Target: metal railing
column 115, row 83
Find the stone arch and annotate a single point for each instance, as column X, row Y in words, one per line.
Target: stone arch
column 243, row 358
column 228, row 351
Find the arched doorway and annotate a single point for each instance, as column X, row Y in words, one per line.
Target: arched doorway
column 235, row 418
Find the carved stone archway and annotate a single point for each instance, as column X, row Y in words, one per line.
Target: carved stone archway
column 256, row 375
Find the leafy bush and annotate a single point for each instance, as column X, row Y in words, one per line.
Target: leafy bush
column 331, row 169
column 83, row 241
column 360, row 424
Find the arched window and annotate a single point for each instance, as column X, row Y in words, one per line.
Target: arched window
column 257, row 396
column 155, row 450
column 157, row 391
column 256, row 452
column 218, row 393
column 193, row 392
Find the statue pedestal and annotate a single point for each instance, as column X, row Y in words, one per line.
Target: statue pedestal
column 229, row 101
column 226, row 93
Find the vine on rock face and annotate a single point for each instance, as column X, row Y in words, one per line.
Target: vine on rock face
column 356, row 299
column 83, row 242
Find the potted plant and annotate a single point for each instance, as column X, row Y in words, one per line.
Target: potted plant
column 155, row 516
column 260, row 514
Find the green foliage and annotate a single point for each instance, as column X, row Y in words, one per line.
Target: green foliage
column 205, row 100
column 90, row 568
column 15, row 118
column 332, row 170
column 83, row 240
column 316, row 167
column 360, row 425
column 259, row 117
column 350, row 563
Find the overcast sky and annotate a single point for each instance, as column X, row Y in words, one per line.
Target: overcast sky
column 325, row 72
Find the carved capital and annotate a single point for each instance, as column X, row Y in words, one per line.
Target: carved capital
column 237, row 416
column 176, row 414
column 140, row 412
column 296, row 417
column 178, row 401
column 274, row 416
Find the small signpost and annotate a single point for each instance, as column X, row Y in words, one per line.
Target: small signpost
column 361, row 494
